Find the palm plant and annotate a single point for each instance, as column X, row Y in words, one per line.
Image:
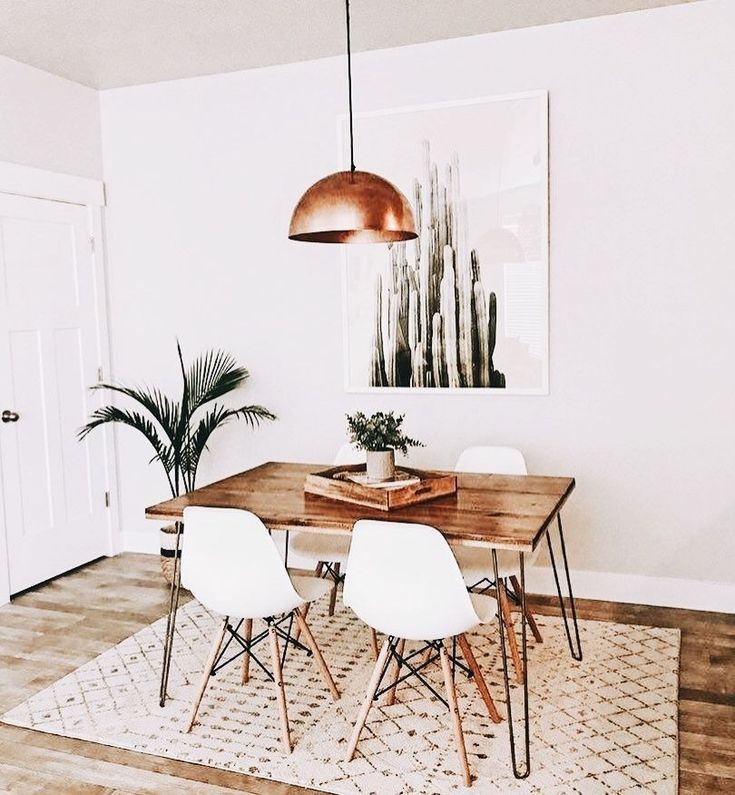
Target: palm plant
column 179, row 430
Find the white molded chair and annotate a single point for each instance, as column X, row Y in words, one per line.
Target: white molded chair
column 328, row 552
column 233, row 567
column 403, row 580
column 477, row 563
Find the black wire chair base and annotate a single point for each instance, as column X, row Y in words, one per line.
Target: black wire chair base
column 407, row 661
column 328, row 570
column 247, row 646
column 482, row 586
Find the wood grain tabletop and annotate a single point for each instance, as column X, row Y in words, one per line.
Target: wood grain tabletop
column 503, row 511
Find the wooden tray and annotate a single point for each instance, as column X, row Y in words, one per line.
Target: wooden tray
column 431, row 486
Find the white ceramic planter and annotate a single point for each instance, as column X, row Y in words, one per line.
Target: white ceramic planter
column 381, row 464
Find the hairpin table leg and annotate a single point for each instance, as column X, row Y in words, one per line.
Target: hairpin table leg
column 575, row 646
column 171, row 621
column 525, row 768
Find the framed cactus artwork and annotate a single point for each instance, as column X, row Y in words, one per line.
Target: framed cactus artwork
column 464, row 307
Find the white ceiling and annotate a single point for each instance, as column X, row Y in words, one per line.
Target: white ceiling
column 110, row 43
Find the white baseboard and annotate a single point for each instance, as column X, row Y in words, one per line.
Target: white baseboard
column 636, row 589
column 605, row 586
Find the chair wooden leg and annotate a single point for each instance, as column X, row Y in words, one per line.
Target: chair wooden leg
column 530, row 620
column 333, row 597
column 311, row 641
column 280, row 691
column 297, row 631
column 374, row 642
column 213, row 652
column 390, row 696
column 510, row 631
column 456, row 719
column 368, row 701
column 478, row 678
column 246, row 656
column 318, row 571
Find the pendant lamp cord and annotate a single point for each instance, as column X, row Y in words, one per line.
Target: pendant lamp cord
column 349, row 85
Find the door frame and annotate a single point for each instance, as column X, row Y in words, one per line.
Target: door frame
column 35, row 183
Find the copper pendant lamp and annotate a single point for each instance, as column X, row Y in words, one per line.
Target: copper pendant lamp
column 352, row 206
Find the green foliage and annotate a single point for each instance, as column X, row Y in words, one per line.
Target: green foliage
column 178, row 431
column 381, row 431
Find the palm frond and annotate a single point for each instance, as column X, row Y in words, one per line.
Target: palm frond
column 253, row 415
column 183, row 431
column 212, row 375
column 186, row 410
column 214, row 418
column 137, row 421
column 166, row 412
column 197, row 442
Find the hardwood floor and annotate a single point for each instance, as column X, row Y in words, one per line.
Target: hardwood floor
column 51, row 630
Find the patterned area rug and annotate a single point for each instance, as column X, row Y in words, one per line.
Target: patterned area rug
column 608, row 724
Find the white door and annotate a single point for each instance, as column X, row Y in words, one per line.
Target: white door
column 52, row 487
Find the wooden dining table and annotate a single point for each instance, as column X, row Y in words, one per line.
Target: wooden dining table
column 509, row 512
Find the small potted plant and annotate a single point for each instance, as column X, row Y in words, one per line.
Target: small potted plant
column 380, row 435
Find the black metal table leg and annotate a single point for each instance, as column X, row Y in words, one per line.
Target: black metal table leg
column 171, row 621
column 285, row 557
column 525, row 769
column 575, row 646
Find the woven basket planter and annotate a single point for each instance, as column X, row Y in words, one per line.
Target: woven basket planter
column 168, row 551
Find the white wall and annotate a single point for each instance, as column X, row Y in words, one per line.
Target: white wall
column 202, row 175
column 48, row 122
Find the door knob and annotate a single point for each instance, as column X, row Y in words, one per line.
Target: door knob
column 9, row 416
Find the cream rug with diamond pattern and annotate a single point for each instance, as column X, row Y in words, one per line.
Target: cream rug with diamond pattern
column 608, row 724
